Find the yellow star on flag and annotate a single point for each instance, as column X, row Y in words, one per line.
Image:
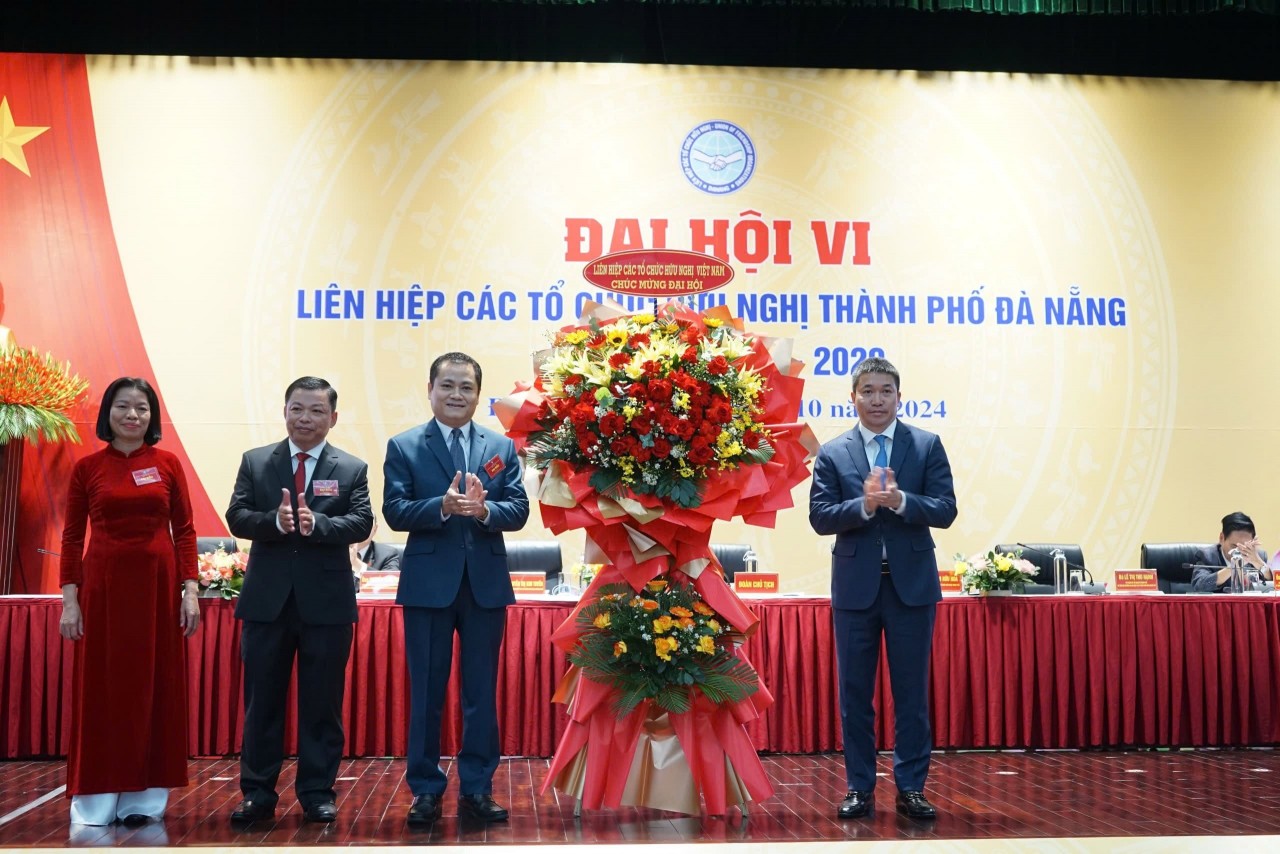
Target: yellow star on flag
column 12, row 138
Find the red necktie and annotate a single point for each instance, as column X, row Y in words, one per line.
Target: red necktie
column 300, row 475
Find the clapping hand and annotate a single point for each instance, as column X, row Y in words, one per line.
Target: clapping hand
column 284, row 513
column 880, row 489
column 306, row 519
column 468, row 503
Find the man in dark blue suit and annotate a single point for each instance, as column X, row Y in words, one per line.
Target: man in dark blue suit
column 454, row 487
column 879, row 488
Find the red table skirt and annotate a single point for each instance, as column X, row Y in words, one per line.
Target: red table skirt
column 1042, row 671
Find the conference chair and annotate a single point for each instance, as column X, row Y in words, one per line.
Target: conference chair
column 1167, row 560
column 536, row 556
column 732, row 557
column 1041, row 555
column 210, row 544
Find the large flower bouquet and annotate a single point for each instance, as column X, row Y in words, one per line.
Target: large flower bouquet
column 36, row 393
column 651, row 404
column 658, row 645
column 221, row 573
column 645, row 430
column 994, row 570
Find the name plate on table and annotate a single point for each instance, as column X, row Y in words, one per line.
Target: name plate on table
column 950, row 581
column 529, row 583
column 1136, row 581
column 379, row 583
column 756, row 583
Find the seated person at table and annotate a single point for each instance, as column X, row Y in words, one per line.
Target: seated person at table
column 1237, row 533
column 374, row 556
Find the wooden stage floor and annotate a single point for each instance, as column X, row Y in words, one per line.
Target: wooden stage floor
column 1140, row 800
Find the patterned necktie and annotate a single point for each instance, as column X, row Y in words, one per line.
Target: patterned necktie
column 882, row 458
column 300, row 475
column 455, row 451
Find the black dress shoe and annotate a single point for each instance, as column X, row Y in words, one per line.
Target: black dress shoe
column 914, row 805
column 855, row 805
column 135, row 820
column 325, row 812
column 425, row 810
column 253, row 810
column 482, row 807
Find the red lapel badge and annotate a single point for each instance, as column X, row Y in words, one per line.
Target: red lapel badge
column 494, row 466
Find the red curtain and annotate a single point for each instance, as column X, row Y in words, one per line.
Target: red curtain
column 1041, row 671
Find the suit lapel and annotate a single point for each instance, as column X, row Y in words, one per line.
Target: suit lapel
column 439, row 446
column 902, row 441
column 282, row 464
column 324, row 469
column 858, row 453
column 479, row 448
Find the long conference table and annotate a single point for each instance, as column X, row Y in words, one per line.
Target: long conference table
column 1015, row 672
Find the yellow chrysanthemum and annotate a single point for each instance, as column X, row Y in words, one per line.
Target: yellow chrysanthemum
column 643, row 319
column 577, row 336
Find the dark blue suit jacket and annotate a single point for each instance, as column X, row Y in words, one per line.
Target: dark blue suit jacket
column 835, row 507
column 418, row 471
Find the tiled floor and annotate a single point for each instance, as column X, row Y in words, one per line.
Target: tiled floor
column 981, row 796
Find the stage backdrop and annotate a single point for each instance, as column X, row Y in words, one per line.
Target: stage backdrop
column 1076, row 276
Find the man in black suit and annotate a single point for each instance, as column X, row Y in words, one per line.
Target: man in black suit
column 455, row 487
column 302, row 502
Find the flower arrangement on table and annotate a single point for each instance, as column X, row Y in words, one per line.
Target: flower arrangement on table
column 645, row 430
column 658, row 644
column 221, row 573
column 994, row 570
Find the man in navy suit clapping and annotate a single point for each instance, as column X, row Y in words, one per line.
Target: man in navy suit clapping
column 879, row 488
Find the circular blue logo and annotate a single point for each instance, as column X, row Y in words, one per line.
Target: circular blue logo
column 718, row 157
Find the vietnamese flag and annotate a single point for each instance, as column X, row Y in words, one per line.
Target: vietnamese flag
column 64, row 289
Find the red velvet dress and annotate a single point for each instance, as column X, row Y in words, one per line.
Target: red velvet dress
column 129, row 702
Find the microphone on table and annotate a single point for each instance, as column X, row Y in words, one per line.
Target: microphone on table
column 1088, row 575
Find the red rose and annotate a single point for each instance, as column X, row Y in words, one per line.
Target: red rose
column 660, row 390
column 612, row 424
column 619, row 447
column 751, row 439
column 720, row 411
column 718, row 366
column 707, row 430
column 661, row 448
column 684, row 429
column 691, row 335
column 637, row 391
column 690, row 354
column 642, row 454
column 641, row 424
